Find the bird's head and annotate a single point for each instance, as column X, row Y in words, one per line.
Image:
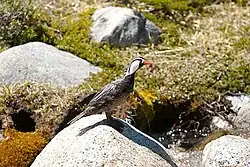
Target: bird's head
column 136, row 64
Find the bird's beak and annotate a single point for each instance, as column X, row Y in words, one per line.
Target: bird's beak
column 150, row 63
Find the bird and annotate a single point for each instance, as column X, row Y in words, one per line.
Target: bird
column 114, row 93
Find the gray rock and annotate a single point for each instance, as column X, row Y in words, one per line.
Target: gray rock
column 218, row 123
column 186, row 158
column 102, row 146
column 241, row 116
column 227, row 151
column 241, row 106
column 123, row 27
column 42, row 63
column 242, row 120
column 238, row 101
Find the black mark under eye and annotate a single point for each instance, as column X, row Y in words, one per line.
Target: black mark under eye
column 141, row 64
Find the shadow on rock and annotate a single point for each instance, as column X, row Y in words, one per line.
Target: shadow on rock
column 117, row 125
column 85, row 143
column 143, row 139
column 135, row 135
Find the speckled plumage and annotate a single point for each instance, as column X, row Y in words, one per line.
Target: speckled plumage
column 111, row 95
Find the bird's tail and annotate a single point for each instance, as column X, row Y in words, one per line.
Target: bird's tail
column 85, row 113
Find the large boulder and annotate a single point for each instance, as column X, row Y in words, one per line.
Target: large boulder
column 123, row 27
column 42, row 63
column 102, row 146
column 227, row 151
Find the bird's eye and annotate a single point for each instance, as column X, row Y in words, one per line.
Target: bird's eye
column 141, row 64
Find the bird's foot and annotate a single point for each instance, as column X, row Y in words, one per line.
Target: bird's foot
column 129, row 117
column 114, row 123
column 117, row 125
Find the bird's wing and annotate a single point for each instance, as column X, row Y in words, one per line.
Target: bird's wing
column 105, row 95
column 82, row 114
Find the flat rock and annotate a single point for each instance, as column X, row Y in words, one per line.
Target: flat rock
column 102, row 146
column 227, row 151
column 123, row 27
column 42, row 63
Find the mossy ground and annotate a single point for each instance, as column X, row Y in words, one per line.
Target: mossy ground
column 205, row 62
column 20, row 149
column 46, row 105
column 198, row 58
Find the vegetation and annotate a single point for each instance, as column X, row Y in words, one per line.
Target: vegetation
column 204, row 53
column 179, row 5
column 46, row 105
column 142, row 103
column 185, row 5
column 73, row 32
column 18, row 23
column 20, row 149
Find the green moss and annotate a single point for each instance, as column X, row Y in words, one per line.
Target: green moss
column 28, row 95
column 102, row 78
column 171, row 30
column 74, row 37
column 242, row 43
column 72, row 34
column 241, row 2
column 167, row 6
column 2, row 48
column 20, row 149
column 237, row 79
column 179, row 5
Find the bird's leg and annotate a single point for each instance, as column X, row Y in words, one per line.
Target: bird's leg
column 129, row 117
column 108, row 115
column 113, row 122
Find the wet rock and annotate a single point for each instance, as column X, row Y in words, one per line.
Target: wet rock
column 241, row 106
column 123, row 27
column 42, row 63
column 238, row 101
column 101, row 145
column 227, row 151
column 219, row 123
column 242, row 120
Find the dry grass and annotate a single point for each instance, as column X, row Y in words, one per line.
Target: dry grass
column 69, row 6
column 47, row 105
column 211, row 52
